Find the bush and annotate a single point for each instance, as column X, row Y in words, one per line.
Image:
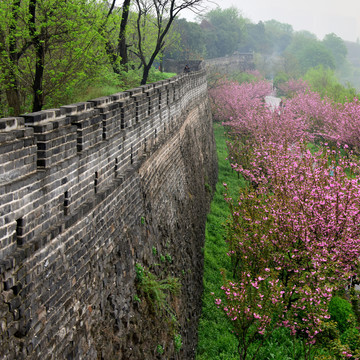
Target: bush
column 340, row 311
column 351, row 337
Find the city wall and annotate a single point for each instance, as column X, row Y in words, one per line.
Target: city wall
column 228, row 64
column 224, row 65
column 88, row 192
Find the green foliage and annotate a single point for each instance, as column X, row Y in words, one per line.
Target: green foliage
column 337, row 47
column 192, row 42
column 310, row 53
column 177, row 342
column 329, row 346
column 256, row 39
column 154, row 250
column 280, row 78
column 279, row 35
column 52, row 56
column 324, row 82
column 224, row 30
column 156, row 75
column 157, row 291
column 341, row 311
column 280, row 346
column 106, row 83
column 140, row 273
column 242, row 77
column 154, row 29
column 351, row 337
column 159, row 349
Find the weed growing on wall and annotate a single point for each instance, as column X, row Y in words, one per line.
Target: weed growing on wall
column 177, row 342
column 156, row 291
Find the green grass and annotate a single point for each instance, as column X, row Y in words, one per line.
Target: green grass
column 110, row 83
column 215, row 338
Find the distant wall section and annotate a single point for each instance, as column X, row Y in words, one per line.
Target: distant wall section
column 229, row 64
column 223, row 65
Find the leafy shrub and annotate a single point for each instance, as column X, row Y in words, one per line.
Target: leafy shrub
column 351, row 337
column 324, row 82
column 279, row 79
column 159, row 349
column 156, row 75
column 340, row 311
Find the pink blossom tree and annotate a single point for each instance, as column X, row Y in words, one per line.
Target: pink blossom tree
column 294, row 239
column 294, row 234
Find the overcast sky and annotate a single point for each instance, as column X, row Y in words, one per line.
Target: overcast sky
column 321, row 17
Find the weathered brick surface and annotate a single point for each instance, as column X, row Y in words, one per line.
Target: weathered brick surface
column 224, row 65
column 87, row 191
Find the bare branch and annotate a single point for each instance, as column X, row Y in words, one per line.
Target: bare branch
column 165, row 12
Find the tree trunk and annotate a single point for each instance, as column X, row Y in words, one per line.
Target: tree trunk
column 38, row 94
column 12, row 87
column 122, row 35
column 145, row 74
column 13, row 99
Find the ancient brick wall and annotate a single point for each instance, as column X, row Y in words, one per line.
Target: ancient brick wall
column 224, row 65
column 86, row 192
column 229, row 64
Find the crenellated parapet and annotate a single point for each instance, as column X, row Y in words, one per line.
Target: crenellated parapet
column 74, row 152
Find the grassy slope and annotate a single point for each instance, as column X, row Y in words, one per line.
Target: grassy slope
column 215, row 338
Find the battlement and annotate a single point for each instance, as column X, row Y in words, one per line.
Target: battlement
column 54, row 162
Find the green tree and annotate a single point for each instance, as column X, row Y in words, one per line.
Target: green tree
column 114, row 32
column 192, row 41
column 162, row 13
column 337, row 48
column 46, row 47
column 279, row 35
column 122, row 33
column 225, row 31
column 256, row 38
column 324, row 81
column 315, row 54
column 307, row 52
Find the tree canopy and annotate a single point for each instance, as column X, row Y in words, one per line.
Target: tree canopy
column 50, row 50
column 224, row 31
column 46, row 48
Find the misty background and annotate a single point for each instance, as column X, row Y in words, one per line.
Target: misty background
column 315, row 40
column 320, row 17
